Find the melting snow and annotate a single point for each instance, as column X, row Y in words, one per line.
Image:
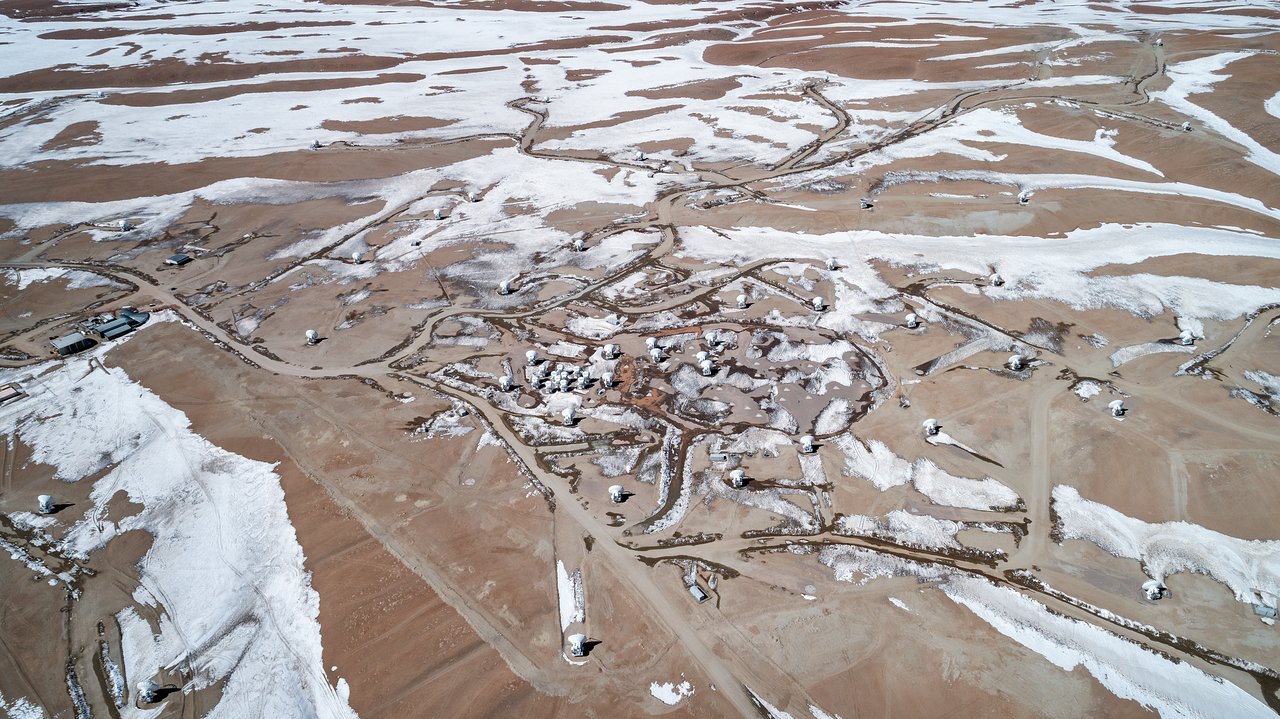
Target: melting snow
column 916, row 530
column 21, row 708
column 1133, row 352
column 1250, row 568
column 818, row 713
column 878, row 464
column 774, row 712
column 573, row 602
column 670, row 693
column 1086, row 390
column 1128, row 670
column 237, row 614
column 76, row 279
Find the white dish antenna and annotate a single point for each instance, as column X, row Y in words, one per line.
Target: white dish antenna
column 147, row 692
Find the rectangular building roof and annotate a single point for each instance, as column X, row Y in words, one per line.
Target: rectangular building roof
column 72, row 343
column 116, row 331
column 71, row 340
column 111, row 325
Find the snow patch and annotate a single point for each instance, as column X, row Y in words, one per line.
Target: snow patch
column 670, row 693
column 1086, row 390
column 879, row 465
column 1130, row 671
column 1250, row 568
column 237, row 614
column 573, row 601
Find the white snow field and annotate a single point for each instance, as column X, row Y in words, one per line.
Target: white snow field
column 224, row 569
